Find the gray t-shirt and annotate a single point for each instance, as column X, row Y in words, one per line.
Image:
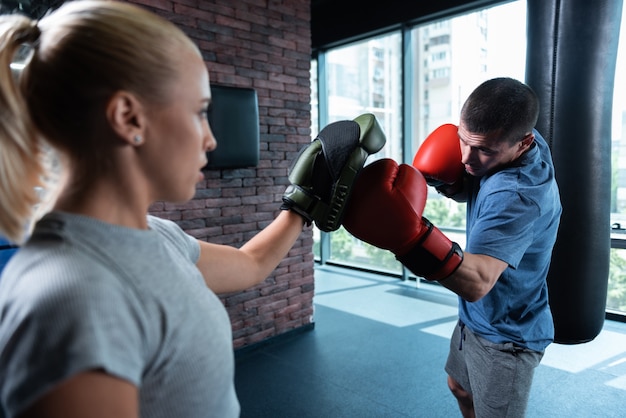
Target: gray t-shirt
column 84, row 295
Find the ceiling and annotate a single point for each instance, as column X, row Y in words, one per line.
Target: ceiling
column 332, row 21
column 335, row 21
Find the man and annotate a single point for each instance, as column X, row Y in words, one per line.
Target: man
column 513, row 211
column 504, row 171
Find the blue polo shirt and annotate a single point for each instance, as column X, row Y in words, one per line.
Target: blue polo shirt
column 513, row 215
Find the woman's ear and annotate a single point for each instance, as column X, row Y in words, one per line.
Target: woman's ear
column 126, row 117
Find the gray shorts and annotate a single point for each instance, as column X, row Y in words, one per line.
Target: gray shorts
column 498, row 376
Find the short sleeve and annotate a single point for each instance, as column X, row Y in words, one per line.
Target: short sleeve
column 181, row 241
column 56, row 325
column 504, row 227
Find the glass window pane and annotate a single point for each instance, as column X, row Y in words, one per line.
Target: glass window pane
column 616, row 295
column 366, row 77
column 449, row 59
column 616, row 298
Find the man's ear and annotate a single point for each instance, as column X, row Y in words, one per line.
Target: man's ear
column 527, row 141
column 126, row 116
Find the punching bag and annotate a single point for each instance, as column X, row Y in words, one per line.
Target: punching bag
column 571, row 58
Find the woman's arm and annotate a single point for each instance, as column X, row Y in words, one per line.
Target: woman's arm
column 228, row 269
column 93, row 394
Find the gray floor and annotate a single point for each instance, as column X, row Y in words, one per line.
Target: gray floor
column 378, row 350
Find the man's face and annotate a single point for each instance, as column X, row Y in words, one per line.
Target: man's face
column 483, row 154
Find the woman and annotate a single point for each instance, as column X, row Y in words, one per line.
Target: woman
column 105, row 310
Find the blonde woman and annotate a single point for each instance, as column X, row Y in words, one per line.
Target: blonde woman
column 106, row 311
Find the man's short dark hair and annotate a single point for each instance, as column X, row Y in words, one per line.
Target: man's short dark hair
column 502, row 106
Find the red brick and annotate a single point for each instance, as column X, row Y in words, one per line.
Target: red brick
column 264, row 44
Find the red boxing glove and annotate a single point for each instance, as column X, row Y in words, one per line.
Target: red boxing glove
column 439, row 160
column 385, row 210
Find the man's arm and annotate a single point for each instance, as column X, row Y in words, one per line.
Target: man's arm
column 475, row 277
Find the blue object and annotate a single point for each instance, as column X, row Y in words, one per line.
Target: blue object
column 7, row 249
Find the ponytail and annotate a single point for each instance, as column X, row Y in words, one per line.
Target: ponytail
column 21, row 165
column 82, row 53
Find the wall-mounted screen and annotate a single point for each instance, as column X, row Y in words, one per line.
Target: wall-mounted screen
column 234, row 120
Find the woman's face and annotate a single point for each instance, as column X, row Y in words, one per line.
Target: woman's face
column 178, row 135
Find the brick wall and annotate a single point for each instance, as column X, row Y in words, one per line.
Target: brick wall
column 263, row 44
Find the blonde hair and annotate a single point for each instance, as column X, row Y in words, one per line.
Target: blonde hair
column 82, row 54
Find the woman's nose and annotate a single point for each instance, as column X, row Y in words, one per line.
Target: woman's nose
column 210, row 143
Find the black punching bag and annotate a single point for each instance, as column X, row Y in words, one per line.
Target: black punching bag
column 572, row 49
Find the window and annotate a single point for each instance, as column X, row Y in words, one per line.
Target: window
column 437, row 40
column 446, row 61
column 448, row 58
column 616, row 297
column 439, row 56
column 478, row 46
column 361, row 75
column 365, row 77
column 440, row 73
